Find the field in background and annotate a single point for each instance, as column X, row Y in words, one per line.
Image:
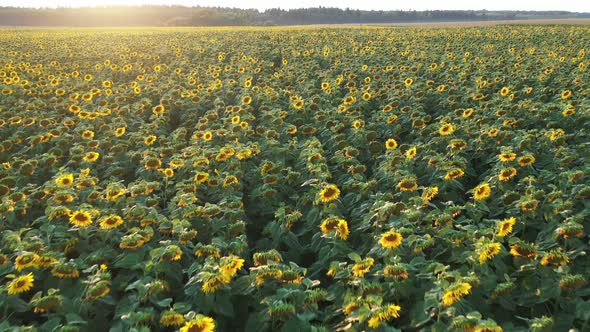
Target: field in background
column 567, row 21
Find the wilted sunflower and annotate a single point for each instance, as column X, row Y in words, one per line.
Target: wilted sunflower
column 408, row 184
column 21, row 284
column 98, row 290
column 329, row 193
column 65, row 270
column 171, row 318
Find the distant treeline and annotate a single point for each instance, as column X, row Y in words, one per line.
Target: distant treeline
column 216, row 16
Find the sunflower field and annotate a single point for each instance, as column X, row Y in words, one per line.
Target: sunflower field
column 295, row 179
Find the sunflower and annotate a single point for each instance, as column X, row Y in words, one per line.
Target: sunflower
column 526, row 160
column 482, row 192
column 408, row 184
column 111, row 221
column 569, row 111
column 446, row 129
column 150, row 139
column 522, row 249
column 505, row 226
column 65, row 180
column 65, row 270
column 411, row 153
column 120, row 131
column 467, row 112
column 87, row 134
column 98, row 290
column 91, row 157
column 429, row 194
column 298, row 104
column 168, row 172
column 359, row 269
column 81, row 218
column 335, row 225
column 566, row 94
column 207, row 136
column 201, row 177
column 454, row 173
column 21, row 284
column 507, row 156
column 199, row 324
column 153, row 163
column 349, row 100
column 391, row 239
column 246, row 100
column 383, row 314
column 455, row 292
column 158, row 109
column 488, row 251
column 366, row 96
column 507, row 174
column 26, row 260
column 171, row 318
column 554, row 257
column 390, row 144
column 329, row 193
column 504, row 91
column 408, row 81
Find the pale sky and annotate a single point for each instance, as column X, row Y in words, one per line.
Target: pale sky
column 569, row 5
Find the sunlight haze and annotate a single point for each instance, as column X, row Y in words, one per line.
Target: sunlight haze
column 566, row 5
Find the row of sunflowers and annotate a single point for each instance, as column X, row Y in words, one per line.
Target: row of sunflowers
column 295, row 179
